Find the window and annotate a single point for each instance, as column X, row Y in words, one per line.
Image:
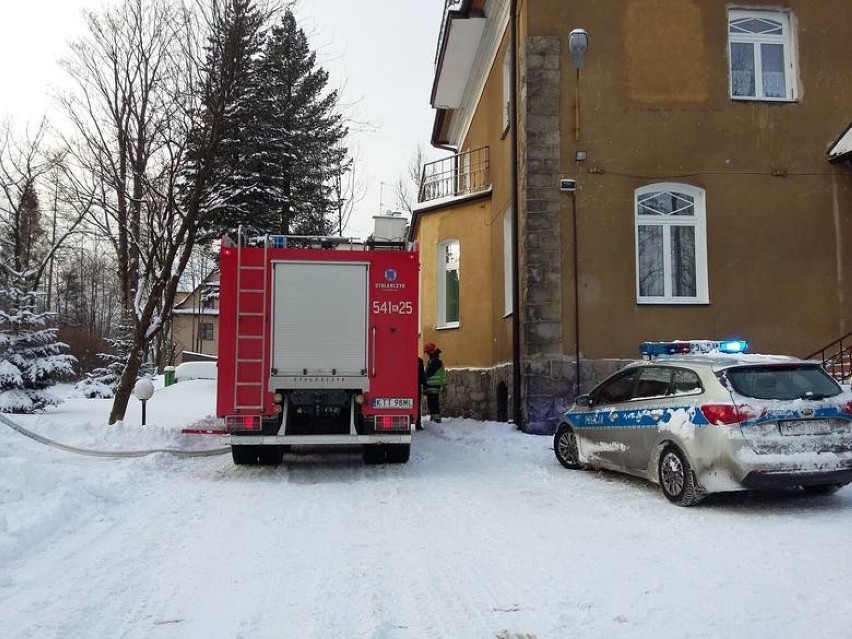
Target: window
column 206, row 332
column 448, row 284
column 671, row 251
column 618, row 388
column 507, row 262
column 761, row 55
column 654, row 381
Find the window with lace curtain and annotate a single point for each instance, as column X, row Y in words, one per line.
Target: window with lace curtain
column 761, row 55
column 671, row 250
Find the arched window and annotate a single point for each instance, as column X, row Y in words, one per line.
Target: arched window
column 671, row 246
column 449, row 258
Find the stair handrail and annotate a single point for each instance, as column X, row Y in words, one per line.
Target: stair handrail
column 841, row 350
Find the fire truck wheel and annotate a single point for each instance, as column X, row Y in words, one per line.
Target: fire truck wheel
column 399, row 453
column 244, row 455
column 374, row 454
column 271, row 455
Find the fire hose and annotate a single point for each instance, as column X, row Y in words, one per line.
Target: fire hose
column 177, row 452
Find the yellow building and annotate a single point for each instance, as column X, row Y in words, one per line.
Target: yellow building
column 195, row 322
column 674, row 170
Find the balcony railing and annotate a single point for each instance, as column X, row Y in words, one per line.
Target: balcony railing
column 458, row 175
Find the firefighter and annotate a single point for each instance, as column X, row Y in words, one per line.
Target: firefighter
column 436, row 378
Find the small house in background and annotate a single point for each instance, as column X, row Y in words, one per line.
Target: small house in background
column 632, row 171
column 195, row 322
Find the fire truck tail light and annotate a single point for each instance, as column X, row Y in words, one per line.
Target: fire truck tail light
column 391, row 423
column 242, row 422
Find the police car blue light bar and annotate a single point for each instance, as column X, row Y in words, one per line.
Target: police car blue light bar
column 693, row 347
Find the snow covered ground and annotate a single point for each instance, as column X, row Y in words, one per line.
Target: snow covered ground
column 481, row 535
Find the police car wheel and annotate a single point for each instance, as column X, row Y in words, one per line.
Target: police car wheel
column 565, row 447
column 676, row 479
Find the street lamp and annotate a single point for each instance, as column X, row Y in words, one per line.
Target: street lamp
column 578, row 44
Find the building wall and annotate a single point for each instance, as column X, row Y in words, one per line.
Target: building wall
column 468, row 222
column 654, row 107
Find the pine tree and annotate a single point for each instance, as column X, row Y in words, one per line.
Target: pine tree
column 283, row 142
column 31, row 358
column 231, row 65
column 306, row 131
column 102, row 382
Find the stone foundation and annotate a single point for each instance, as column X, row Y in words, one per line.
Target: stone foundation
column 549, row 384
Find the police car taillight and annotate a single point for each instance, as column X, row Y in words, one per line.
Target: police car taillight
column 721, row 414
column 847, row 408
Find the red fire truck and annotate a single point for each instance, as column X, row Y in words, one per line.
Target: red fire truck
column 317, row 346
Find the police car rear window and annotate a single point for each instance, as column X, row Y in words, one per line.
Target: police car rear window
column 789, row 381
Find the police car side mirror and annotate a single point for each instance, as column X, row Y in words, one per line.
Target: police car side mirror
column 583, row 400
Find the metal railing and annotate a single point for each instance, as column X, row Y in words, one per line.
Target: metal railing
column 457, row 175
column 836, row 357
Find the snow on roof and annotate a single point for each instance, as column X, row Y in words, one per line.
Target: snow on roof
column 718, row 359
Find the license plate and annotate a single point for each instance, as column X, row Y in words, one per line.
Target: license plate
column 393, row 402
column 805, row 427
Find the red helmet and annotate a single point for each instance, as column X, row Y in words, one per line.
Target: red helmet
column 429, row 348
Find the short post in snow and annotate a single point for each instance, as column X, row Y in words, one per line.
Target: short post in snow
column 143, row 391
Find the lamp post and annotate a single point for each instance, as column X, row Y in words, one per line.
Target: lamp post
column 143, row 391
column 578, row 44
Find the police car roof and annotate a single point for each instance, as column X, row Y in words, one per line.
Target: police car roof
column 724, row 360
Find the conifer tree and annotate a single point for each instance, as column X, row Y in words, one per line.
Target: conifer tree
column 31, row 358
column 230, row 89
column 283, row 145
column 306, row 131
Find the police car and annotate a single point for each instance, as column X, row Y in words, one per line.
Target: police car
column 699, row 417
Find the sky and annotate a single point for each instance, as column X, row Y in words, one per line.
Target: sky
column 482, row 534
column 379, row 54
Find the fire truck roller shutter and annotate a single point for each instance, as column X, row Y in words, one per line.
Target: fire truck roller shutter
column 320, row 319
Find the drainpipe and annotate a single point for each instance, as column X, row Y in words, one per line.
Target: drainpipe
column 517, row 411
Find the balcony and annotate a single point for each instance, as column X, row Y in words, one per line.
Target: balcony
column 460, row 175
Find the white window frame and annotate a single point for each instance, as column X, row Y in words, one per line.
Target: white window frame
column 786, row 39
column 508, row 300
column 441, row 288
column 698, row 221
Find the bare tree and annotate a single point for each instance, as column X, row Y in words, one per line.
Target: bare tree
column 408, row 184
column 25, row 163
column 347, row 190
column 154, row 83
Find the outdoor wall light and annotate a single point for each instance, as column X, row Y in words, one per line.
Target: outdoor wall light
column 578, row 44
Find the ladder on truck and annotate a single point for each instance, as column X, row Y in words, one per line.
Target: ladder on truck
column 250, row 330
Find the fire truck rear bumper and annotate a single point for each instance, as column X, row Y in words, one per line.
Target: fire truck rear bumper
column 314, row 440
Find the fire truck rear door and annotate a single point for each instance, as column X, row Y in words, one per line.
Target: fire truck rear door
column 319, row 325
